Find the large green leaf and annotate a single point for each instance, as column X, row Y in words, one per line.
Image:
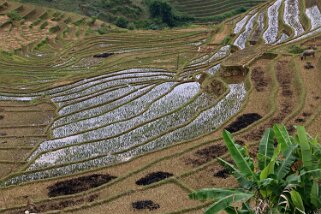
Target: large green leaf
column 226, row 201
column 211, row 193
column 306, row 151
column 297, row 201
column 243, row 166
column 243, row 181
column 282, row 136
column 285, row 166
column 314, row 195
column 266, row 148
column 269, row 169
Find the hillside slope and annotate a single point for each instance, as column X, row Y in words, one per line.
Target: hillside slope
column 208, row 8
column 131, row 121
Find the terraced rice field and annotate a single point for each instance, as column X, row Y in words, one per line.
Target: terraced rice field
column 207, row 8
column 131, row 121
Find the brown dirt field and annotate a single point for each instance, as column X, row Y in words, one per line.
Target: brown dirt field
column 206, row 178
column 13, row 155
column 16, row 131
column 219, row 37
column 6, row 169
column 170, row 197
column 286, row 99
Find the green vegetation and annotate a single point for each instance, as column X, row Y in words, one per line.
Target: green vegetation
column 212, row 8
column 145, row 14
column 227, row 40
column 54, row 29
column 294, row 49
column 14, row 15
column 284, row 179
column 44, row 25
column 223, row 16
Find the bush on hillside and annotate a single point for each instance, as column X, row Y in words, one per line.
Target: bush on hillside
column 294, row 49
column 14, row 16
column 121, row 22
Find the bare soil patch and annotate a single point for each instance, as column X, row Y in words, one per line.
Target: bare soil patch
column 55, row 205
column 285, row 101
column 259, row 80
column 79, row 184
column 153, row 178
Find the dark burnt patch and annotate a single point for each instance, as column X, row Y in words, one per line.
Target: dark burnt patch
column 222, row 173
column 243, row 121
column 205, row 155
column 306, row 114
column 299, row 120
column 77, row 185
column 1, row 117
column 103, row 55
column 153, row 178
column 145, row 205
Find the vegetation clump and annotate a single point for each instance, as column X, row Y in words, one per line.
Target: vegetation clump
column 284, row 179
column 294, row 49
column 14, row 15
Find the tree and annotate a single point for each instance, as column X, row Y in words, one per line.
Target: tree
column 162, row 9
column 284, row 179
column 121, row 22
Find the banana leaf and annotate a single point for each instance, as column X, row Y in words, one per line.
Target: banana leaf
column 226, row 201
column 243, row 181
column 266, row 149
column 243, row 165
column 297, row 201
column 282, row 136
column 306, row 151
column 285, row 166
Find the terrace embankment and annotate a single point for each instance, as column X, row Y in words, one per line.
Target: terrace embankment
column 22, row 127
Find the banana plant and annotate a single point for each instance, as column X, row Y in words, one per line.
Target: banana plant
column 285, row 179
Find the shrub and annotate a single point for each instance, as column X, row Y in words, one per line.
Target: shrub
column 54, row 29
column 131, row 26
column 227, row 40
column 295, row 49
column 92, row 20
column 284, row 179
column 14, row 15
column 44, row 25
column 121, row 22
